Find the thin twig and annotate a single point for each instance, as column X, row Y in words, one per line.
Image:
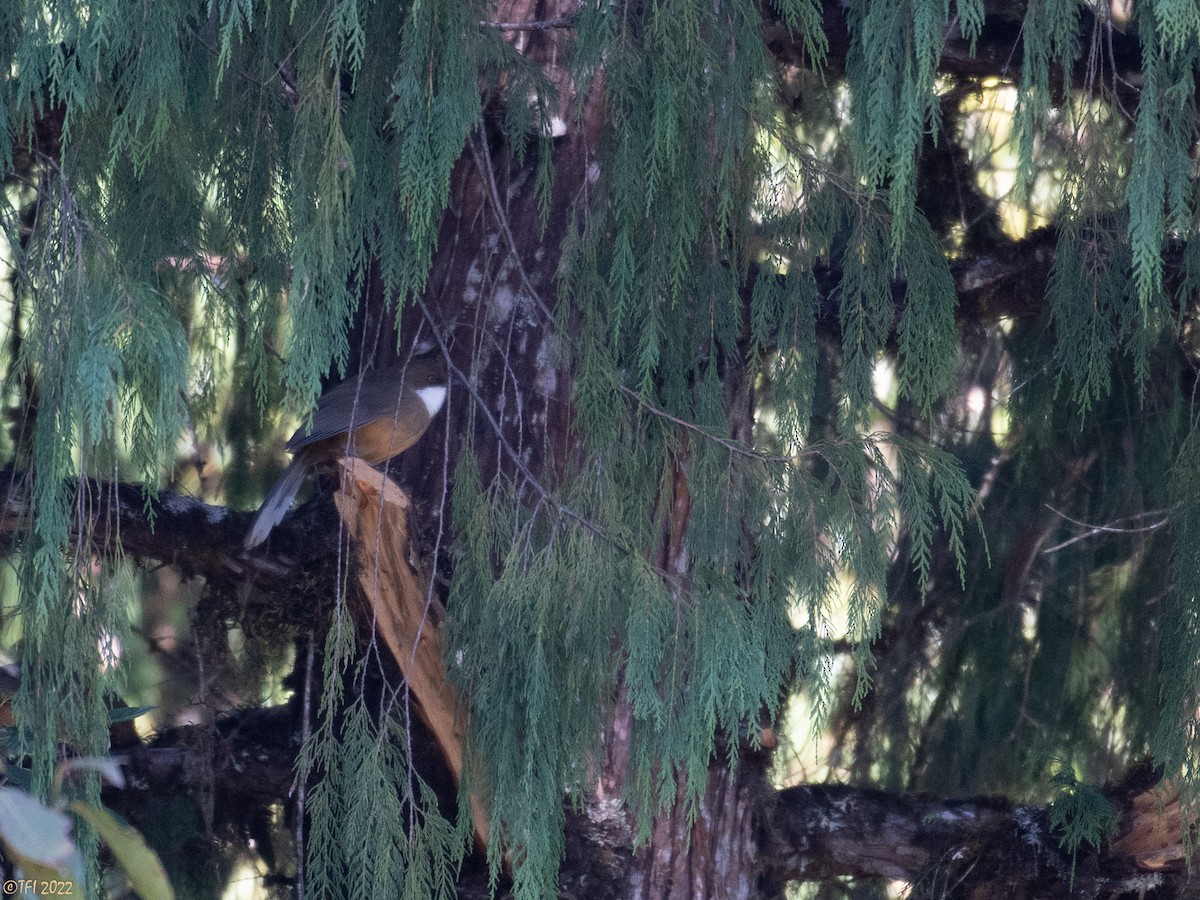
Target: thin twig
column 537, row 25
column 730, row 445
column 1093, row 530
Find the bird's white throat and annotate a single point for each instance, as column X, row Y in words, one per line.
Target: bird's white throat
column 432, row 397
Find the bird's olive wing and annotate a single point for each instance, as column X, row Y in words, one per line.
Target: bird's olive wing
column 351, row 404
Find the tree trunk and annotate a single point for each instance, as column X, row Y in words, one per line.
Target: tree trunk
column 492, row 294
column 716, row 856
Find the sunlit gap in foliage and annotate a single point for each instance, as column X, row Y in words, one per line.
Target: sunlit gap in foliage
column 810, row 752
column 976, row 408
column 987, row 135
column 246, row 880
column 811, row 144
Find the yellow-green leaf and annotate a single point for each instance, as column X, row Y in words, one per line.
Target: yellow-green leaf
column 141, row 864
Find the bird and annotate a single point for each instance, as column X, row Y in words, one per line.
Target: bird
column 375, row 416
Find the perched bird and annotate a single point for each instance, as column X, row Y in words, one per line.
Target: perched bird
column 374, row 416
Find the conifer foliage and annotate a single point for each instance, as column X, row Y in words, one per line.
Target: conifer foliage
column 823, row 381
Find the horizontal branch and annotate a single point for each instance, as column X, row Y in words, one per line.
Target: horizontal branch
column 249, row 756
column 200, row 539
column 983, row 847
column 535, row 25
column 979, row 847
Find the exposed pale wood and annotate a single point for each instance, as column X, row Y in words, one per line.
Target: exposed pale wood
column 376, row 512
column 1153, row 828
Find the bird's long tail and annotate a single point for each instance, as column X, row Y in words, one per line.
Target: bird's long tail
column 277, row 502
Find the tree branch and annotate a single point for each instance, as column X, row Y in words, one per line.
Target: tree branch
column 200, row 539
column 982, row 847
column 967, row 848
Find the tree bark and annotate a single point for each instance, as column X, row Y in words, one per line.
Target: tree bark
column 759, row 840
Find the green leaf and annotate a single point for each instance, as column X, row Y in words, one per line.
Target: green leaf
column 140, row 863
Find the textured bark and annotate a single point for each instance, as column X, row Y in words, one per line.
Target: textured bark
column 717, row 856
column 492, row 295
column 977, row 848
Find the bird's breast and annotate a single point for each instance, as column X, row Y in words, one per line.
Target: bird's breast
column 384, row 438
